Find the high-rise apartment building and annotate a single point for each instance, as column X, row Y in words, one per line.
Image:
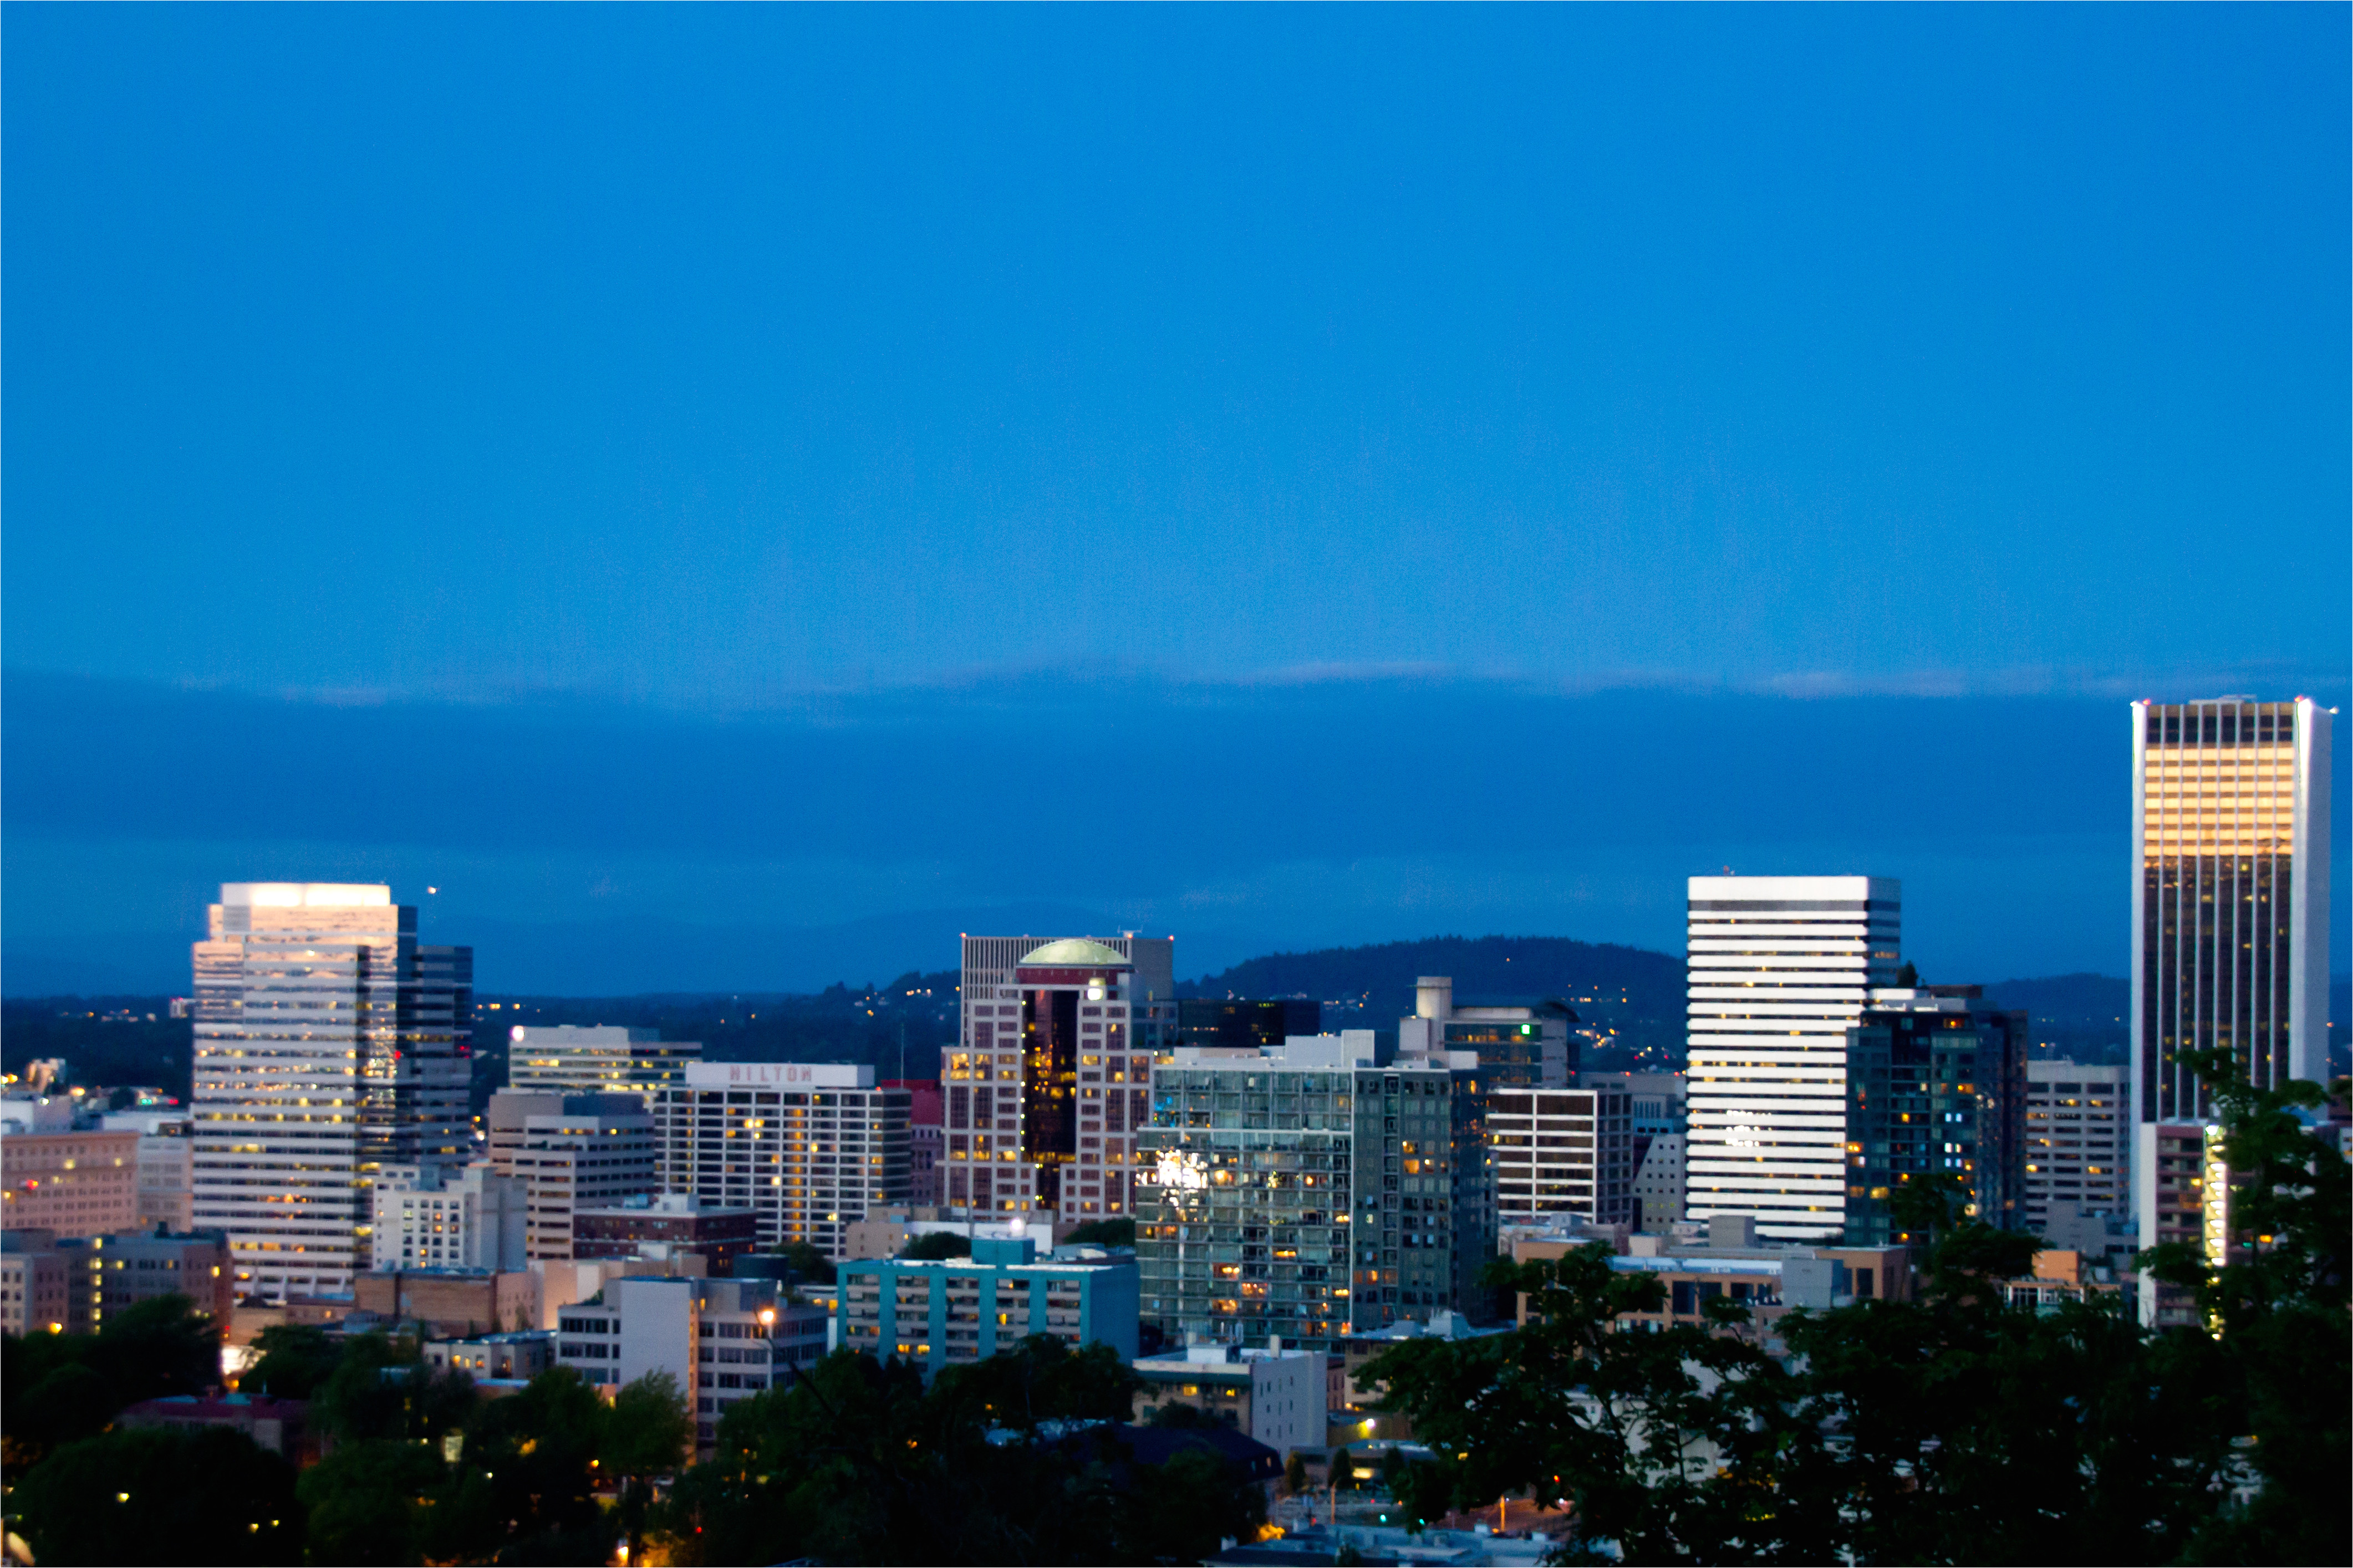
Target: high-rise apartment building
column 1935, row 1090
column 2077, row 1141
column 566, row 1059
column 2230, row 909
column 329, row 1043
column 1522, row 1047
column 1562, row 1154
column 1779, row 968
column 809, row 1147
column 1310, row 1192
column 1052, row 1074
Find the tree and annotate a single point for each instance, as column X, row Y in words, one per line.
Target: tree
column 1670, row 1443
column 937, row 1246
column 523, row 1487
column 59, row 1388
column 1039, row 1379
column 1118, row 1232
column 158, row 1496
column 367, row 1500
column 650, row 1431
column 2278, row 1305
column 1294, row 1474
column 807, row 1262
column 289, row 1361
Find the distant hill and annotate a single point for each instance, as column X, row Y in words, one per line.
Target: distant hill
column 1635, row 992
column 2084, row 1018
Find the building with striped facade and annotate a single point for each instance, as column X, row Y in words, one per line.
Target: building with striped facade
column 810, row 1148
column 329, row 1043
column 1779, row 969
column 2230, row 910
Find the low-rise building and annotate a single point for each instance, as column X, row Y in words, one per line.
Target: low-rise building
column 2061, row 1276
column 1731, row 1264
column 69, row 1184
column 279, row 1426
column 1274, row 1394
column 516, row 1356
column 451, row 1303
column 32, row 1284
column 963, row 1310
column 1659, row 1181
column 101, row 1275
column 714, row 1335
column 677, row 1221
column 435, row 1217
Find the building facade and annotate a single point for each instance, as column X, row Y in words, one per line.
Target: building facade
column 719, row 1233
column 329, row 1043
column 167, row 1164
column 2229, row 911
column 2077, row 1141
column 963, row 1310
column 712, row 1335
column 1779, row 968
column 808, row 1147
column 441, row 1216
column 1276, row 1395
column 566, row 1059
column 1051, row 1076
column 70, row 1183
column 32, row 1284
column 1562, row 1154
column 1517, row 1047
column 571, row 1152
column 1936, row 1088
column 1307, row 1193
column 104, row 1275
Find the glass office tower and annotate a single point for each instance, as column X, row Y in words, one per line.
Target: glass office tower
column 329, row 1044
column 2229, row 908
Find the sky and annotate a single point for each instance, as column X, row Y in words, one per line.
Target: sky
column 729, row 493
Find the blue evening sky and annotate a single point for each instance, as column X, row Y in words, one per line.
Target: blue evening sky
column 1279, row 475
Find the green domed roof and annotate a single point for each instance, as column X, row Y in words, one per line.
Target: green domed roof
column 1074, row 952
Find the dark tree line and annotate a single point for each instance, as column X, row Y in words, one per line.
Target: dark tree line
column 1952, row 1428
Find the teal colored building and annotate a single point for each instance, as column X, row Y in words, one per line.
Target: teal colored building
column 963, row 1310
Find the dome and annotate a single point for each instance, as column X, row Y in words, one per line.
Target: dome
column 1074, row 952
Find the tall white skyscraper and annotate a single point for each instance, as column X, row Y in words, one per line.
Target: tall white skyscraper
column 2230, row 909
column 1779, row 968
column 329, row 1044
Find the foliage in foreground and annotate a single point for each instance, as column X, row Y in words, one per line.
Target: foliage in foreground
column 859, row 1462
column 1953, row 1428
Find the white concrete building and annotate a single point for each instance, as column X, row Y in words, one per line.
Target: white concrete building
column 429, row 1217
column 809, row 1147
column 715, row 1336
column 599, row 1058
column 1779, row 968
column 1278, row 1396
column 1519, row 1046
column 329, row 1043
